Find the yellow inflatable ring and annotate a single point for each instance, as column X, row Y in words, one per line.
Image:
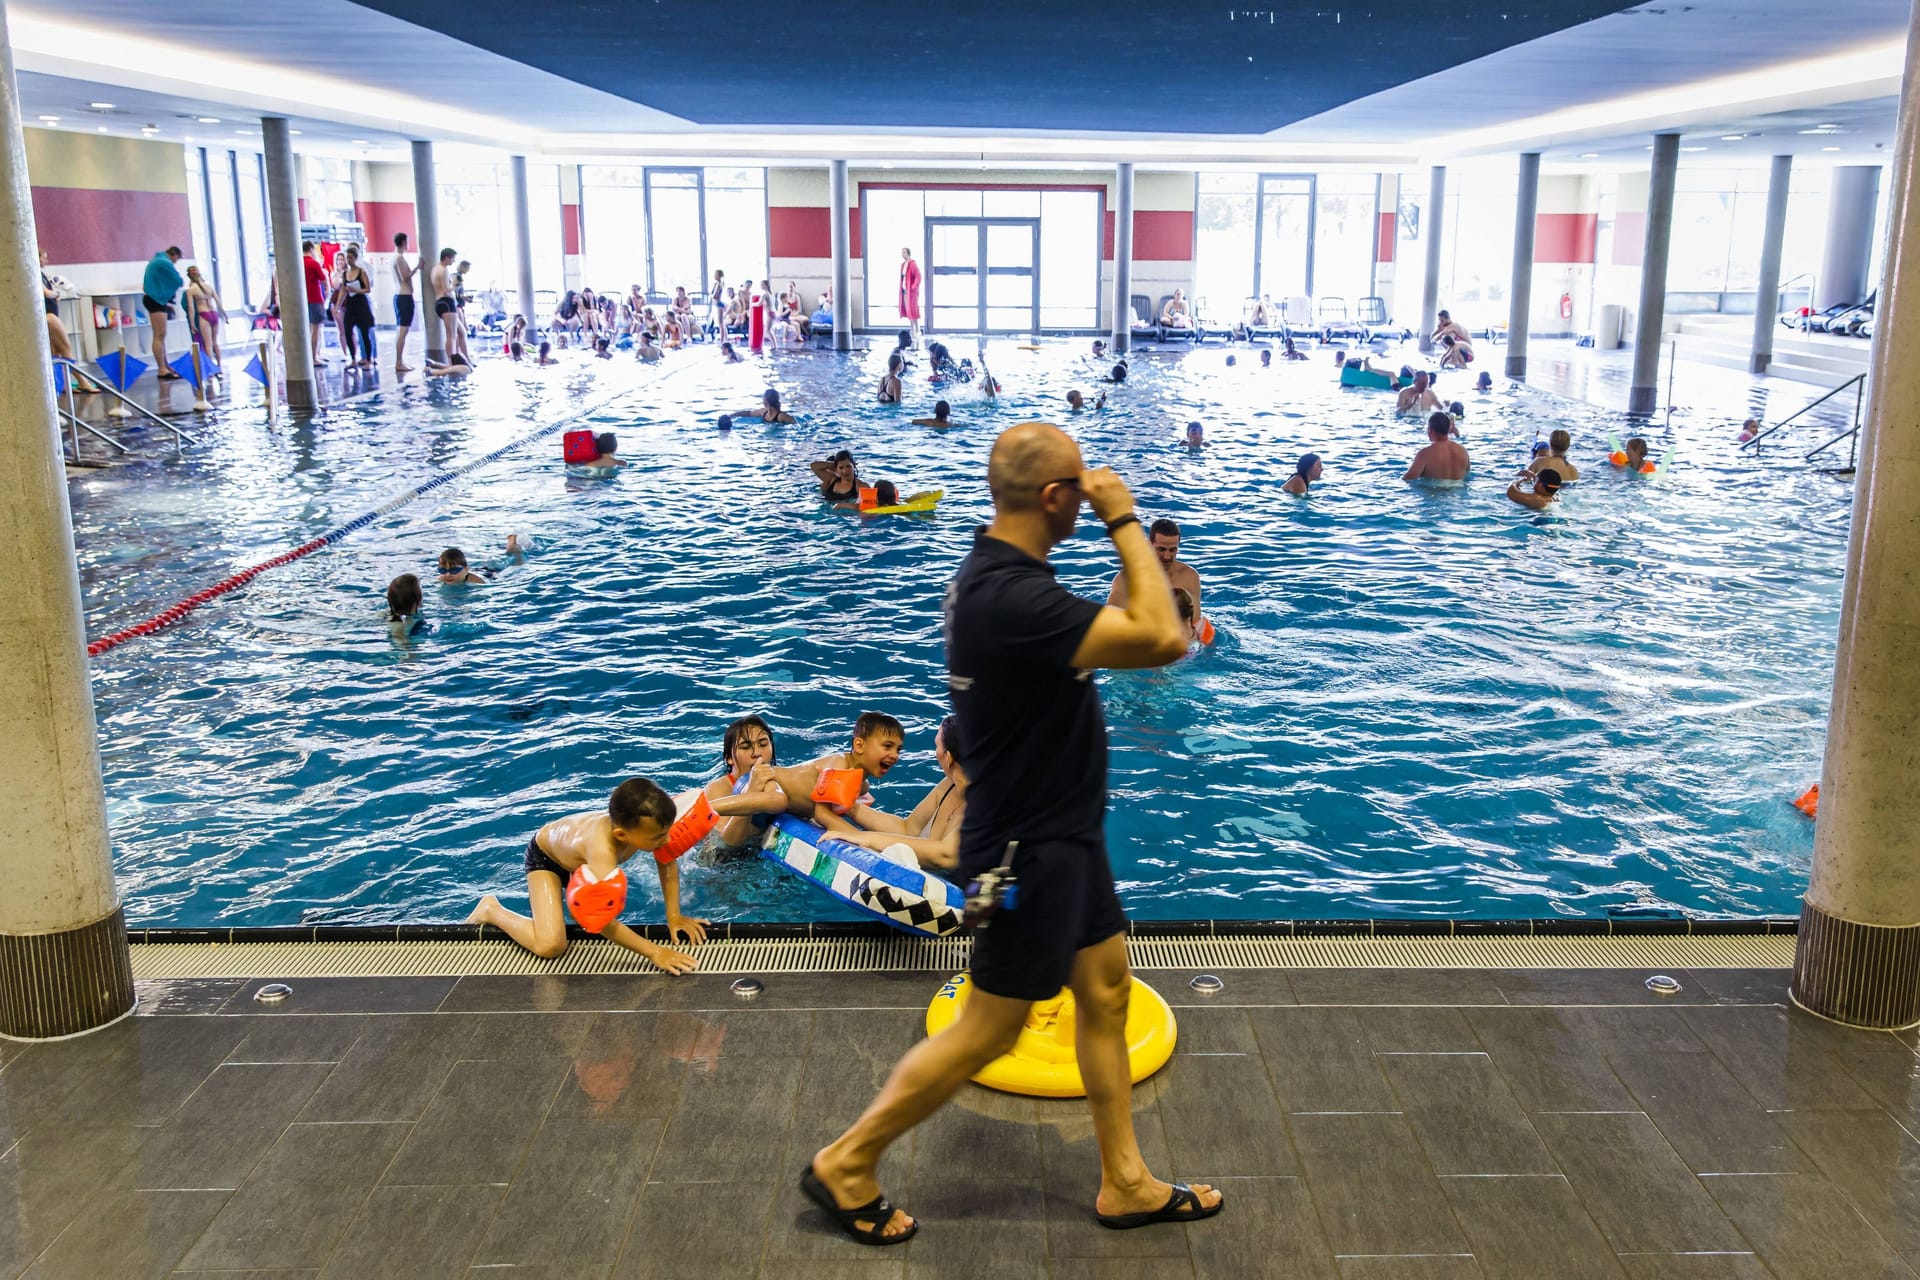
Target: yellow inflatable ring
column 1042, row 1063
column 914, row 505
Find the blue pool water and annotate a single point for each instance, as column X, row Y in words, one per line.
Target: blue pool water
column 1423, row 702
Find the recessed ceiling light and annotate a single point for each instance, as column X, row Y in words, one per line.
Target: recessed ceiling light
column 101, row 106
column 1732, row 137
column 294, row 132
column 208, row 119
column 1693, row 148
column 1829, row 126
column 361, row 142
column 1829, row 148
column 1589, row 155
column 101, row 128
column 51, row 119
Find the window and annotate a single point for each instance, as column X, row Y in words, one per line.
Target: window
column 329, row 190
column 1224, row 238
column 1344, row 235
column 1476, row 246
column 251, row 183
column 1282, row 235
column 476, row 221
column 660, row 227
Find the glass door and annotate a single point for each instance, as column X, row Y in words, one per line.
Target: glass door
column 676, row 218
column 983, row 275
column 1283, row 240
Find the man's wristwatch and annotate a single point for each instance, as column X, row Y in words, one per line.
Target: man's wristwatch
column 1114, row 526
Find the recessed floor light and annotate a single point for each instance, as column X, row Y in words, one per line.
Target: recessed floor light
column 101, row 106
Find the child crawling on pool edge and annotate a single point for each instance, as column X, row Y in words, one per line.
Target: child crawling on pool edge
column 877, row 739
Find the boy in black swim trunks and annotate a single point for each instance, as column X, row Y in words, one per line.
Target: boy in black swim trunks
column 446, row 309
column 635, row 820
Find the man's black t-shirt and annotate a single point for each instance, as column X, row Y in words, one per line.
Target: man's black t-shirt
column 1036, row 742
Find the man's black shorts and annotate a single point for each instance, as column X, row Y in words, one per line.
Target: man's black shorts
column 1066, row 903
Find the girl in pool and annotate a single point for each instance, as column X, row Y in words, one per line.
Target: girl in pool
column 769, row 409
column 403, row 606
column 748, row 744
column 931, row 833
column 1189, row 617
column 890, row 385
column 456, row 572
column 839, row 481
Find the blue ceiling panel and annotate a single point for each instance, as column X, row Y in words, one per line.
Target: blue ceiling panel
column 1176, row 66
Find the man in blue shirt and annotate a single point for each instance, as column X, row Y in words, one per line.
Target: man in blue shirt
column 158, row 289
column 1021, row 653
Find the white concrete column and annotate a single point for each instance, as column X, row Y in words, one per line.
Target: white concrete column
column 63, row 940
column 1436, row 216
column 426, row 222
column 289, row 273
column 1849, row 247
column 1766, row 305
column 1858, row 956
column 1122, row 257
column 523, row 234
column 839, row 238
column 1526, row 208
column 1643, row 393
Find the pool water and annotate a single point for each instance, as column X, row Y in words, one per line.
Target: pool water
column 1423, row 702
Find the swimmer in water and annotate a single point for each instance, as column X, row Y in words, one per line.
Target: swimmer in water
column 1546, row 483
column 877, row 739
column 1266, row 357
column 606, row 456
column 1305, row 472
column 1163, row 536
column 890, row 384
column 1748, row 430
column 403, row 606
column 1196, row 436
column 1099, row 349
column 1443, row 458
column 1484, row 382
column 1558, row 442
column 839, row 480
column 1078, row 402
column 455, row 367
column 769, row 409
column 940, row 418
column 748, row 744
column 1189, row 616
column 644, row 348
column 1118, row 373
column 546, row 353
column 1633, row 457
column 931, row 833
column 636, row 820
column 1419, row 397
column 1291, row 352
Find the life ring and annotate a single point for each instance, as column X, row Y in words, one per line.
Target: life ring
column 1042, row 1063
column 1809, row 803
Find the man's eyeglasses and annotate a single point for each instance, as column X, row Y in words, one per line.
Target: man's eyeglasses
column 1045, row 485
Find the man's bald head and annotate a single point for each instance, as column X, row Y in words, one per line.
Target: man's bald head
column 1026, row 458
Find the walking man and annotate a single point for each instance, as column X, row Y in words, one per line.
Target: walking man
column 404, row 270
column 1021, row 653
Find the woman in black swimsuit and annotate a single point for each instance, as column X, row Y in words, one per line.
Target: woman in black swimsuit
column 356, row 291
column 839, row 482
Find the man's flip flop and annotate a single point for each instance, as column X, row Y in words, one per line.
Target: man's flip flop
column 1183, row 1205
column 877, row 1211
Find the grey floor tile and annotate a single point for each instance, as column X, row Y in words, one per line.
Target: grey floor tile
column 1694, row 1266
column 1073, row 1232
column 422, row 1233
column 1416, row 1029
column 632, row 1065
column 276, row 1225
column 1119, row 1268
column 344, row 1154
column 1889, row 1072
column 977, row 1229
column 1438, row 1266
column 574, row 1194
column 160, row 1062
column 1267, row 1231
column 479, row 1124
column 1593, row 986
column 531, row 1035
column 392, row 1071
column 1521, row 1228
column 1870, row 1158
column 1466, row 1118
column 1395, row 986
column 245, row 1095
column 980, row 1134
column 552, row 993
column 46, row 1179
column 720, row 1228
column 1804, row 1229
column 1713, row 1123
column 1742, row 986
column 732, row 1122
column 1221, row 1118
column 541, row 1271
column 344, row 995
column 128, row 1235
column 788, row 1033
column 1245, row 987
column 1320, row 1059
column 159, row 996
column 1633, row 1030
column 1549, row 1064
column 316, row 1038
column 1781, row 1055
column 180, row 1157
column 852, row 1056
column 1069, row 1156
column 1373, row 1185
column 1635, row 1187
column 1215, row 1029
column 800, row 1235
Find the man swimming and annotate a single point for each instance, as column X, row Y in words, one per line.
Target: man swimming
column 940, row 418
column 1164, row 535
column 1078, row 402
column 1419, row 397
column 1444, row 458
column 1546, row 483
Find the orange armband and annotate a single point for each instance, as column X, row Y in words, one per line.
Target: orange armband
column 688, row 830
column 596, row 903
column 839, row 789
column 1618, row 458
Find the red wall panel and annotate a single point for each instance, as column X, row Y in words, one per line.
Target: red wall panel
column 1388, row 235
column 76, row 224
column 799, row 231
column 570, row 229
column 1565, row 237
column 1159, row 235
column 382, row 220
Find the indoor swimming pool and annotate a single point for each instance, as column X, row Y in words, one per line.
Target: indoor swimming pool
column 1423, row 702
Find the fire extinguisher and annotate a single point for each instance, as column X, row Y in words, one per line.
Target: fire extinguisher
column 1566, row 306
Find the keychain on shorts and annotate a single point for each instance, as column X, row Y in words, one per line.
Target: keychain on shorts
column 993, row 890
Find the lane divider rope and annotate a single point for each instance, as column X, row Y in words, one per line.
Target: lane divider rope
column 174, row 613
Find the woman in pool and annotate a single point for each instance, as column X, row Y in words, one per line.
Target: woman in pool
column 839, row 481
column 890, row 384
column 1305, row 472
column 1189, row 617
column 403, row 606
column 748, row 744
column 769, row 410
column 932, row 831
column 1556, row 457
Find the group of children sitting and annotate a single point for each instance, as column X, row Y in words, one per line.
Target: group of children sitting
column 575, row 864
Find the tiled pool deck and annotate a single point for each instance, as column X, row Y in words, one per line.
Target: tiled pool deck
column 1366, row 1124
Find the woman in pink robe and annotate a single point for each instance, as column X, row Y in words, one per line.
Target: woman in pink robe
column 910, row 293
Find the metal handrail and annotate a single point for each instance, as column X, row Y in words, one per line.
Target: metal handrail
column 179, row 436
column 1807, row 319
column 1857, row 380
column 75, row 425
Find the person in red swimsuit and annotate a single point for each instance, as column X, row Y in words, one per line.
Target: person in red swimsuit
column 910, row 293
